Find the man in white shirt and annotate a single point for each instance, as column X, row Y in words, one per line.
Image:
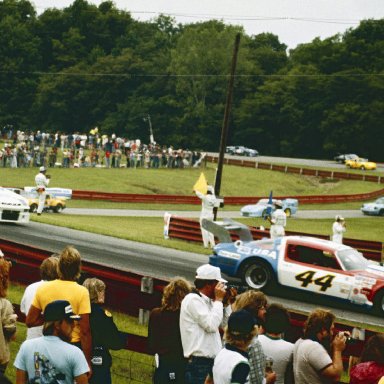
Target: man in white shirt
column 277, row 322
column 202, row 313
column 48, row 272
column 338, row 229
column 208, row 202
column 278, row 221
column 312, row 364
column 42, row 182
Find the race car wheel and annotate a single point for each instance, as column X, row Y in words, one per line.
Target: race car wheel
column 257, row 275
column 381, row 213
column 287, row 212
column 58, row 208
column 33, row 208
column 378, row 302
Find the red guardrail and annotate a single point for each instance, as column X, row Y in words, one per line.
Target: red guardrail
column 189, row 229
column 297, row 170
column 124, row 292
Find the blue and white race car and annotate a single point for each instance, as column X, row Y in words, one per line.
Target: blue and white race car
column 262, row 207
column 304, row 263
column 375, row 209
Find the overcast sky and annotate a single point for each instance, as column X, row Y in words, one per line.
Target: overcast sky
column 294, row 21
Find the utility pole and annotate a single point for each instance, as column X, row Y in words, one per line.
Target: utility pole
column 224, row 130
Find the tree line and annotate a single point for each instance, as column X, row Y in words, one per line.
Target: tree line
column 83, row 66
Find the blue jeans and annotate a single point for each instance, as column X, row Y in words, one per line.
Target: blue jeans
column 197, row 370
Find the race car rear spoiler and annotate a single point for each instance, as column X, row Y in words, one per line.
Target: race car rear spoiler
column 222, row 230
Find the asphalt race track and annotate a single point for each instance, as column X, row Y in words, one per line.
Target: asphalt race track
column 145, row 259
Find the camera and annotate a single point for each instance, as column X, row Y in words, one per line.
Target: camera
column 239, row 288
column 349, row 339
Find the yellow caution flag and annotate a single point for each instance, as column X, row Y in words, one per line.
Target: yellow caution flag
column 201, row 184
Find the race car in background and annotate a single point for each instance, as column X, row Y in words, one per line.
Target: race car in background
column 240, row 150
column 304, row 263
column 13, row 207
column 375, row 209
column 55, row 204
column 264, row 206
column 361, row 164
column 342, row 158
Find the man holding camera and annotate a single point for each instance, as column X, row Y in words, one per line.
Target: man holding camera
column 317, row 356
column 42, row 181
column 202, row 313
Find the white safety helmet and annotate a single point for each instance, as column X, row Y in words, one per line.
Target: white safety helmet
column 42, row 169
column 210, row 189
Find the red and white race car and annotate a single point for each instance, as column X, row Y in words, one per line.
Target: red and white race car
column 305, row 263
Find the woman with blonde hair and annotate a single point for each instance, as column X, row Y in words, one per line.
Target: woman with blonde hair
column 8, row 317
column 164, row 338
column 105, row 335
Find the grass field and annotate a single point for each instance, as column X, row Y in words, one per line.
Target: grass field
column 236, row 181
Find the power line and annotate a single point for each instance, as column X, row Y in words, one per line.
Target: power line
column 190, row 75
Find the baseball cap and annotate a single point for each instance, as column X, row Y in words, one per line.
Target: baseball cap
column 338, row 217
column 209, row 272
column 241, row 322
column 59, row 310
column 42, row 169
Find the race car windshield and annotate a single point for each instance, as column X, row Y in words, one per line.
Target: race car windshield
column 352, row 260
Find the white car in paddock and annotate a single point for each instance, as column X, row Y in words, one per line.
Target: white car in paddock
column 13, row 207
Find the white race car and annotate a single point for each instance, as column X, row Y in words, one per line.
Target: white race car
column 13, row 207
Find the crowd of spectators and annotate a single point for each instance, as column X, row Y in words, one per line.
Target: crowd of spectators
column 203, row 334
column 36, row 149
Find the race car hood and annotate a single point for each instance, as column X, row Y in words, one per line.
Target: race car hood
column 9, row 199
column 254, row 207
column 369, row 205
column 375, row 269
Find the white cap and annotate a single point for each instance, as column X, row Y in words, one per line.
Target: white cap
column 279, row 203
column 42, row 169
column 209, row 272
column 339, row 218
column 210, row 189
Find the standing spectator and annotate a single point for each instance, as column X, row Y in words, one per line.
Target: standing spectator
column 164, row 337
column 256, row 303
column 105, row 335
column 66, row 288
column 231, row 364
column 312, row 363
column 371, row 367
column 201, row 315
column 278, row 221
column 42, row 182
column 277, row 323
column 208, row 202
column 50, row 359
column 338, row 228
column 7, row 316
column 48, row 272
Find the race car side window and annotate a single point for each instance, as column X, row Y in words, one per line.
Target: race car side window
column 313, row 256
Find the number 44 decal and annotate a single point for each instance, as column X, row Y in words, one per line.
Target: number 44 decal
column 306, row 278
